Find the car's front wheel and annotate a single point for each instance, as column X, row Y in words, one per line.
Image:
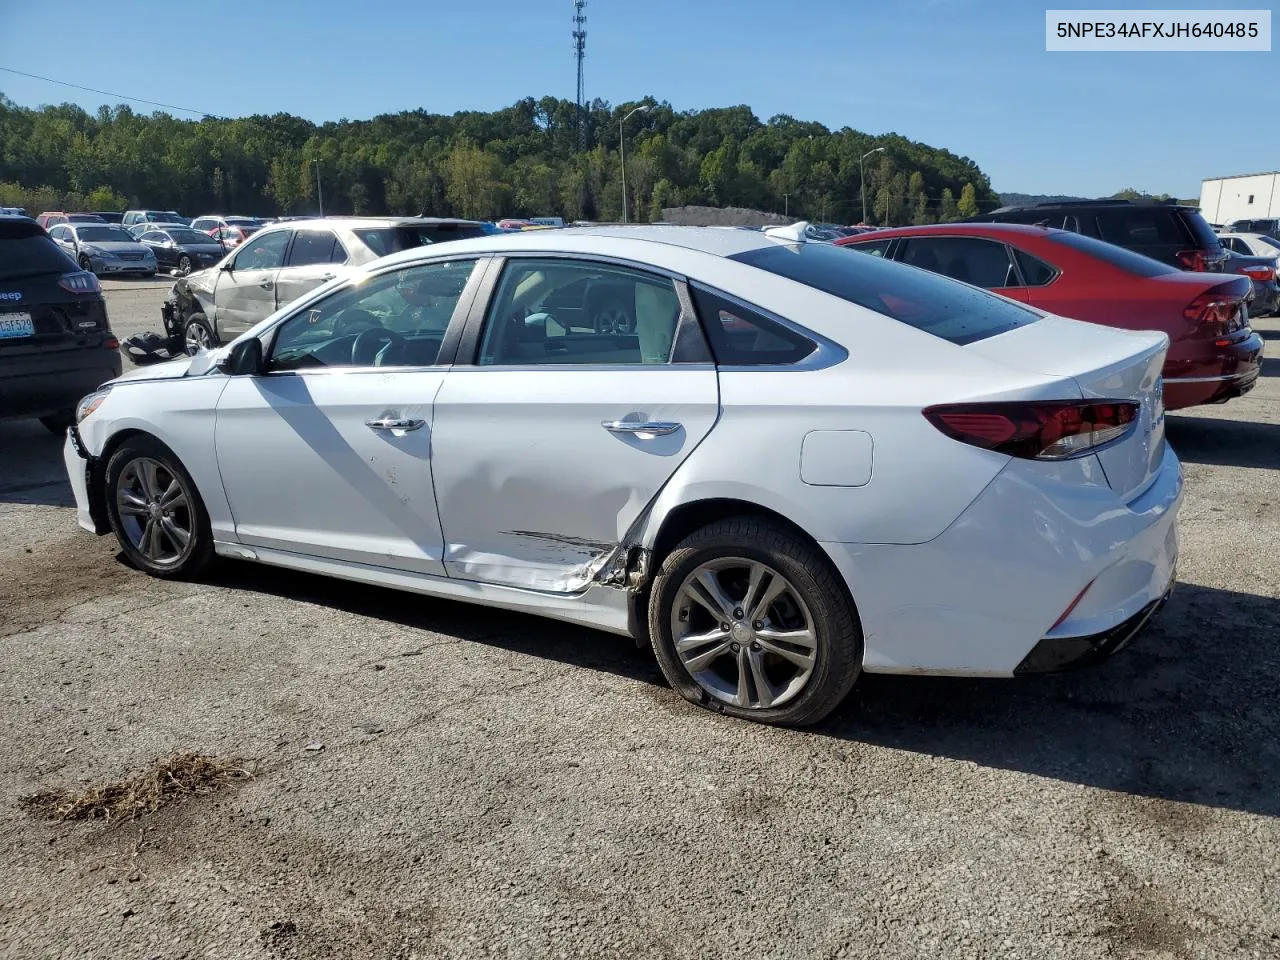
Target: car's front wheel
column 197, row 334
column 86, row 264
column 749, row 619
column 184, row 265
column 155, row 510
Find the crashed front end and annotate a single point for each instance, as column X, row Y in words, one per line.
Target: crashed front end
column 189, row 295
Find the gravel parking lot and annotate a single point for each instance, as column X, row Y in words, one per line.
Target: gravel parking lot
column 491, row 784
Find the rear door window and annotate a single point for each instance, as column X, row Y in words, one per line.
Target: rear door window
column 311, row 246
column 984, row 263
column 917, row 298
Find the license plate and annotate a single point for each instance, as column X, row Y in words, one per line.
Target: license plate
column 14, row 325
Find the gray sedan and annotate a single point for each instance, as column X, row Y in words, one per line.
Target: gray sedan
column 104, row 248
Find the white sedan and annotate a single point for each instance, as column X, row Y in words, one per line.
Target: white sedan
column 781, row 463
column 1251, row 244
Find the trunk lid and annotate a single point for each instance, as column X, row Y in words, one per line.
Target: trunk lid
column 1106, row 364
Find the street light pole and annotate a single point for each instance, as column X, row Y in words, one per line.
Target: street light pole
column 319, row 190
column 622, row 153
column 862, row 178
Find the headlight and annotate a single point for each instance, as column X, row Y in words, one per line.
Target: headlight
column 91, row 403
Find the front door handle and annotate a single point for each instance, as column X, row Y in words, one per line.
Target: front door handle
column 641, row 428
column 267, row 284
column 387, row 423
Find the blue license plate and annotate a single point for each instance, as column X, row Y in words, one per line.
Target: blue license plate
column 14, row 325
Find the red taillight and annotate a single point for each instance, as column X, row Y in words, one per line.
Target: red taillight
column 1036, row 430
column 111, row 343
column 80, row 282
column 1191, row 259
column 1219, row 309
column 1259, row 274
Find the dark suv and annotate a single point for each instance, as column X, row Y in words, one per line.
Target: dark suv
column 1167, row 232
column 55, row 342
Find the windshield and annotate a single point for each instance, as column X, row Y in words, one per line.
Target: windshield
column 167, row 216
column 104, row 234
column 385, row 240
column 953, row 311
column 192, row 236
column 242, row 222
column 1124, row 259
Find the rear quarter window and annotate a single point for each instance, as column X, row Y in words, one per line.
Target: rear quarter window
column 951, row 311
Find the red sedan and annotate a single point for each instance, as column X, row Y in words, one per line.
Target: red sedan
column 1213, row 353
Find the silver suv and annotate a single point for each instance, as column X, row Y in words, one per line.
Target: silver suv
column 280, row 263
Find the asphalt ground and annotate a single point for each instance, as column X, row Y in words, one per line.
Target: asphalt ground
column 440, row 780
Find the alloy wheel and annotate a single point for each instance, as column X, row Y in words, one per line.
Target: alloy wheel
column 184, row 266
column 196, row 338
column 744, row 633
column 155, row 511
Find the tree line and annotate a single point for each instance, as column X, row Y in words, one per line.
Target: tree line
column 529, row 159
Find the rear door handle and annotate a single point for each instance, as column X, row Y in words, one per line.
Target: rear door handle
column 641, row 428
column 267, row 284
column 386, row 423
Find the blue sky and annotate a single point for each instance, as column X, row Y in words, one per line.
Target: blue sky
column 969, row 75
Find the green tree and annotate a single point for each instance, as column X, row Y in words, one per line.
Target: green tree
column 921, row 214
column 968, row 206
column 947, row 212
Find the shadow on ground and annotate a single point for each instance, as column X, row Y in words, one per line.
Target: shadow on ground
column 1231, row 443
column 31, row 467
column 1190, row 712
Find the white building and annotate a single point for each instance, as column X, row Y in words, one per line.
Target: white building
column 1249, row 196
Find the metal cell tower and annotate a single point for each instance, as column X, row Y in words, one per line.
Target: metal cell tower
column 580, row 53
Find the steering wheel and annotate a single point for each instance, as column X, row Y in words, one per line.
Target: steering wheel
column 355, row 321
column 373, row 347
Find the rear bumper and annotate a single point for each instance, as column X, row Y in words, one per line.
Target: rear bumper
column 39, row 384
column 979, row 598
column 1056, row 654
column 1232, row 372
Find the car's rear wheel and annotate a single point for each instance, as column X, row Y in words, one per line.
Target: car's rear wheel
column 749, row 619
column 197, row 334
column 184, row 265
column 155, row 510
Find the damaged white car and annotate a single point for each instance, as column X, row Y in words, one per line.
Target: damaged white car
column 278, row 264
column 779, row 462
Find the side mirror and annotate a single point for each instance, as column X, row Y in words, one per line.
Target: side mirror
column 244, row 359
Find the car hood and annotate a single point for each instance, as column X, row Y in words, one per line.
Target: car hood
column 196, row 366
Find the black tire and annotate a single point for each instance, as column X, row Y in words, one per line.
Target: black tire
column 197, row 322
column 57, row 423
column 838, row 647
column 86, row 265
column 184, row 265
column 198, row 551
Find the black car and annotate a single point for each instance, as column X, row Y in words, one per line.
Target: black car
column 1168, row 232
column 183, row 249
column 109, row 217
column 55, row 342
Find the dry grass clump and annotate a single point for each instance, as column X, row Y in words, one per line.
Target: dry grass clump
column 174, row 779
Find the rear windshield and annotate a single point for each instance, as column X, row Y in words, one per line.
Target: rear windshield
column 1200, row 229
column 953, row 311
column 1126, row 260
column 385, row 240
column 1272, row 241
column 26, row 252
